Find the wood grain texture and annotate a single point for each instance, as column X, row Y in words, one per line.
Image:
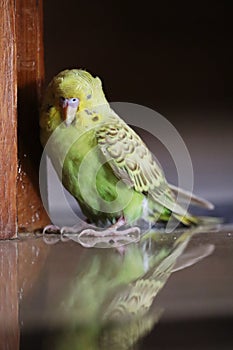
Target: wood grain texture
column 30, row 66
column 9, row 306
column 8, row 121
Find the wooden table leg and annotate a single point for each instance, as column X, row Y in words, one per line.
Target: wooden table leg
column 8, row 121
column 30, row 66
column 22, row 72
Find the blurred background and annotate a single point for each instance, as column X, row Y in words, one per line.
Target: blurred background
column 174, row 57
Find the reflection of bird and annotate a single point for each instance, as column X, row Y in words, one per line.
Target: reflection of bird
column 96, row 143
column 108, row 303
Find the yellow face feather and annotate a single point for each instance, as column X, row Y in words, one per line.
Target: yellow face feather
column 76, row 83
column 68, row 85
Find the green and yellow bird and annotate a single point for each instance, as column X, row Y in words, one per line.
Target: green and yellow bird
column 101, row 161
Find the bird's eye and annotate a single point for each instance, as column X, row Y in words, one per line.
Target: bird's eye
column 62, row 99
column 74, row 102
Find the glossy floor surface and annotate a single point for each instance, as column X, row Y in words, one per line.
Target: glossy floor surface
column 165, row 292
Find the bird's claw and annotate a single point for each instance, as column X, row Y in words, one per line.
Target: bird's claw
column 51, row 229
column 92, row 237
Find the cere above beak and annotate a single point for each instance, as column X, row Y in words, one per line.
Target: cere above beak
column 69, row 108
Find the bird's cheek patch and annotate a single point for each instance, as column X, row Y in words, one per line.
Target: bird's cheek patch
column 95, row 118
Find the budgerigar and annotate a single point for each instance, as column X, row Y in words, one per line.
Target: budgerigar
column 87, row 137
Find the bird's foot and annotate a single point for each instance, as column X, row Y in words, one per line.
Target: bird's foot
column 110, row 237
column 89, row 236
column 77, row 228
column 111, row 231
column 51, row 234
column 51, row 229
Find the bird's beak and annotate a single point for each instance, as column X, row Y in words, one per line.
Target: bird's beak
column 69, row 114
column 69, row 109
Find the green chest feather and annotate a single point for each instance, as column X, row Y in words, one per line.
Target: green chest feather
column 87, row 175
column 89, row 178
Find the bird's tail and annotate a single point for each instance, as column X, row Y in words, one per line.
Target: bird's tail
column 190, row 220
column 186, row 219
column 188, row 197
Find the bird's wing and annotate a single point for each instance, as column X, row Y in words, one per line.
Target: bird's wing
column 133, row 163
column 187, row 196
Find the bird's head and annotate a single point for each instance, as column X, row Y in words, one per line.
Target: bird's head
column 75, row 90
